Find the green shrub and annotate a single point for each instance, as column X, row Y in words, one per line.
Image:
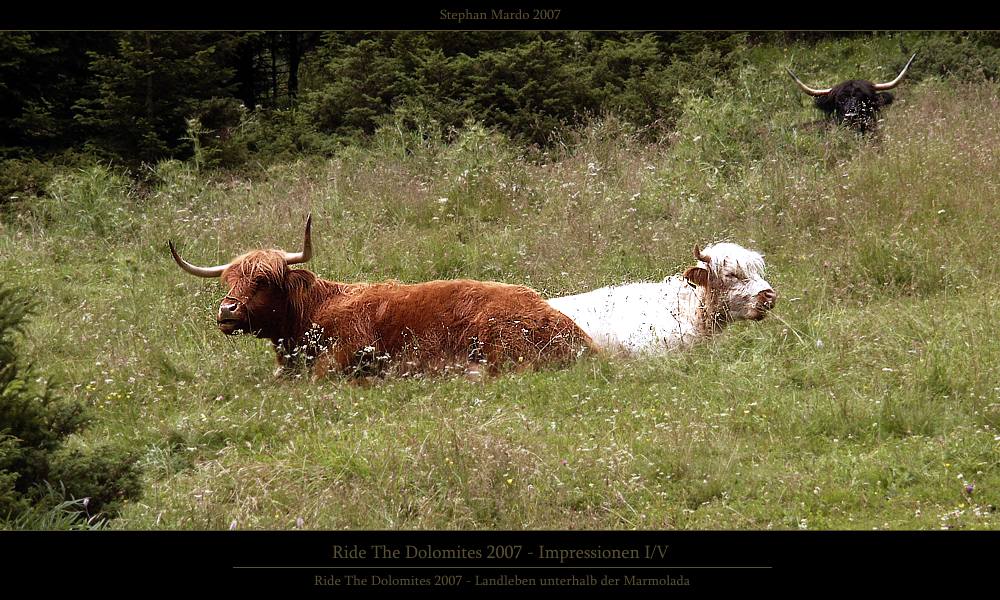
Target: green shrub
column 966, row 56
column 22, row 177
column 38, row 471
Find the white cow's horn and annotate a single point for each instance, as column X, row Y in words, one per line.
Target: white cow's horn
column 881, row 87
column 294, row 258
column 806, row 88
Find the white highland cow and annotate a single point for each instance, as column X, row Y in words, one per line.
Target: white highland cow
column 726, row 285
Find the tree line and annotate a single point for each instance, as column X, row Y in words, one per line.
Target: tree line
column 140, row 97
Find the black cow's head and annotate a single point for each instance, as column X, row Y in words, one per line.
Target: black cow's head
column 856, row 102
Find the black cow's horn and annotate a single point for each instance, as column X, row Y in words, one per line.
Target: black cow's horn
column 294, row 258
column 881, row 87
column 806, row 88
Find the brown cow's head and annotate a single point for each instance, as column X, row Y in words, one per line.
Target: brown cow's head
column 855, row 103
column 258, row 299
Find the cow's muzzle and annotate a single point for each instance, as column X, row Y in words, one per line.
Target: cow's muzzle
column 766, row 299
column 231, row 315
column 228, row 310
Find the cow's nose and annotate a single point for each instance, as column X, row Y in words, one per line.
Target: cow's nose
column 767, row 298
column 227, row 310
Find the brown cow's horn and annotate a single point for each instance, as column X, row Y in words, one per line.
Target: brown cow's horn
column 881, row 87
column 806, row 88
column 197, row 271
column 699, row 256
column 294, row 258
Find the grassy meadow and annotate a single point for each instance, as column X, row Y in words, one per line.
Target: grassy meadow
column 869, row 399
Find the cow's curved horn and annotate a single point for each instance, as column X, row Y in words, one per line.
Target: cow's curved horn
column 881, row 87
column 197, row 271
column 294, row 258
column 806, row 88
column 699, row 256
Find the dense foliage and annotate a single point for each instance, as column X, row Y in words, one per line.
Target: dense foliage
column 229, row 97
column 40, row 467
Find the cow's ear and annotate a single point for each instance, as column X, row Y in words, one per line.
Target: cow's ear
column 697, row 276
column 884, row 98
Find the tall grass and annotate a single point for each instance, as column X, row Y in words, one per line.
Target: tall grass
column 869, row 399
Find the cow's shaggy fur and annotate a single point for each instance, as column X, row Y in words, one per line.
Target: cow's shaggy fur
column 657, row 316
column 854, row 103
column 356, row 327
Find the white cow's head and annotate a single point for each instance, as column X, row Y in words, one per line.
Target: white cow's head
column 733, row 278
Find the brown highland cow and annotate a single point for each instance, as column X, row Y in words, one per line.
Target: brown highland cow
column 360, row 328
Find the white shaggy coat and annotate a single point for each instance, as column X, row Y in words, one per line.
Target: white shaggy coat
column 637, row 317
column 658, row 316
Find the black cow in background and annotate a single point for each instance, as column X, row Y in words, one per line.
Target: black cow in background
column 854, row 103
